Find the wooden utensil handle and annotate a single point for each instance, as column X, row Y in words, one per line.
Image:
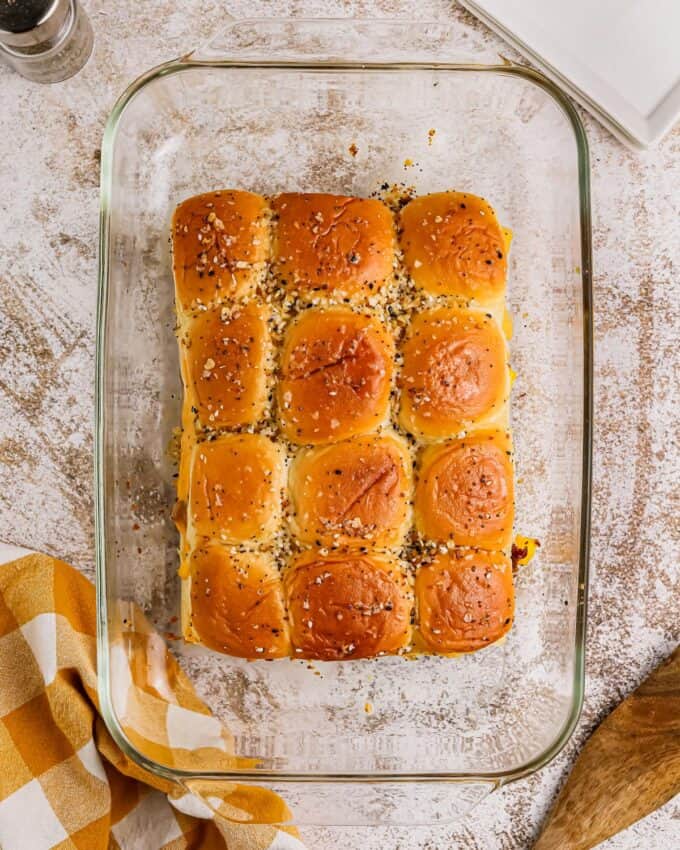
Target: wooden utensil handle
column 627, row 769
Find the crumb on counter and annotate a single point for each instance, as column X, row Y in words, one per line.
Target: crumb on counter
column 368, row 707
column 430, row 135
column 353, row 149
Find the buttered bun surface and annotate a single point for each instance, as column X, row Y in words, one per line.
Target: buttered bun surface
column 348, row 605
column 236, row 603
column 220, row 247
column 454, row 245
column 336, row 373
column 455, row 372
column 465, row 491
column 332, row 244
column 465, row 600
column 352, row 493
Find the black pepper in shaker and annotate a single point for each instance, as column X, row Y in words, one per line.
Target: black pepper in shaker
column 22, row 15
column 44, row 40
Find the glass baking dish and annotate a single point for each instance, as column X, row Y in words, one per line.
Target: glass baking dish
column 277, row 105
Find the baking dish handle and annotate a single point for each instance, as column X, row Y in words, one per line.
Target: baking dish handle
column 343, row 41
column 340, row 803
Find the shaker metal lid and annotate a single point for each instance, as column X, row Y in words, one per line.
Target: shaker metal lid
column 24, row 23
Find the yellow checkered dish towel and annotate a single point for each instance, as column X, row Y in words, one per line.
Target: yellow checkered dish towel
column 63, row 781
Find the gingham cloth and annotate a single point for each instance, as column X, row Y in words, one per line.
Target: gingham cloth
column 63, row 781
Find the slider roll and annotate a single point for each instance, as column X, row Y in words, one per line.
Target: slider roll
column 332, row 245
column 354, row 493
column 455, row 373
column 220, row 248
column 224, row 354
column 235, row 489
column 235, row 603
column 465, row 492
column 454, row 245
column 344, row 606
column 336, row 374
column 465, row 601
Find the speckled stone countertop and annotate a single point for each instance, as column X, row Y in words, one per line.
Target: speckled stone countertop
column 49, row 173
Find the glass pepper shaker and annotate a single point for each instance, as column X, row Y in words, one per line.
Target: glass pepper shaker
column 44, row 40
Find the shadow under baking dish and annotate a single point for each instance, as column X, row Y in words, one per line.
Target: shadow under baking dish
column 284, row 118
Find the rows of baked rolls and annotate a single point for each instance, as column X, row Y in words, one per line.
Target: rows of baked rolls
column 346, row 484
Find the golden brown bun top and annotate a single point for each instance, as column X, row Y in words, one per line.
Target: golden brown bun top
column 237, row 603
column 220, row 241
column 224, row 354
column 347, row 606
column 352, row 493
column 236, row 488
column 336, row 373
column 465, row 600
column 333, row 243
column 465, row 491
column 454, row 245
column 455, row 371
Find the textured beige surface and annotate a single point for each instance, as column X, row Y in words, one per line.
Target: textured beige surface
column 49, row 142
